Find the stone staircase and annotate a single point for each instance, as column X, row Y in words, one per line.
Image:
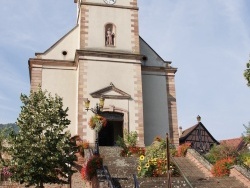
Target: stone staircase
column 122, row 169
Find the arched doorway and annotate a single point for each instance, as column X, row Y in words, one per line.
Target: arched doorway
column 114, row 128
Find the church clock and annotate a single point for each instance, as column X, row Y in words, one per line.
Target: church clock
column 110, row 2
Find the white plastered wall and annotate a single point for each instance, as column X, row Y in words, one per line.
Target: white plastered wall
column 64, row 83
column 96, row 29
column 155, row 106
column 68, row 43
column 100, row 74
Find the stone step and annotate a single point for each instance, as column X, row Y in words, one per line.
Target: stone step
column 224, row 182
column 189, row 168
column 120, row 161
column 162, row 182
column 106, row 151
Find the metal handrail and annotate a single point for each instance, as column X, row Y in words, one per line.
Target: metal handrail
column 136, row 183
column 181, row 172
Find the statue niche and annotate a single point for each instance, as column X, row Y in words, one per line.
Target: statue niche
column 109, row 35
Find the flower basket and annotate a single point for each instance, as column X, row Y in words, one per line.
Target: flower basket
column 96, row 122
column 89, row 170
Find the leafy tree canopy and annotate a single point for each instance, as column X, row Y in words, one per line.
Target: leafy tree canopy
column 247, row 73
column 41, row 150
column 10, row 126
column 246, row 136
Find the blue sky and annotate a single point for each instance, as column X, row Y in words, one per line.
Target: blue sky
column 207, row 40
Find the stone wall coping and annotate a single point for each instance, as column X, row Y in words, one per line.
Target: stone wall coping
column 201, row 159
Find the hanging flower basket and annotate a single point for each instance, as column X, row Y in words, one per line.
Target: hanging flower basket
column 96, row 122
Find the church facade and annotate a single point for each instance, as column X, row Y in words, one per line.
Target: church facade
column 104, row 56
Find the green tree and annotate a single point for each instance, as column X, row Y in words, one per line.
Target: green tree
column 219, row 152
column 246, row 135
column 4, row 137
column 41, row 151
column 247, row 73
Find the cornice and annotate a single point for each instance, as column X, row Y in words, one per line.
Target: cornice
column 110, row 6
column 108, row 54
column 50, row 62
column 168, row 70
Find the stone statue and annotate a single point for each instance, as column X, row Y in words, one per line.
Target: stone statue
column 109, row 37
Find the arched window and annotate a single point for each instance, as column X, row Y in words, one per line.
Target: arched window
column 109, row 34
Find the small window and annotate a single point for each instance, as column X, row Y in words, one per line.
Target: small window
column 109, row 35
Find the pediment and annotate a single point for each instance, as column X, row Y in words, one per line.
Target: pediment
column 110, row 92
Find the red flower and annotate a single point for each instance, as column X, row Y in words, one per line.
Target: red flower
column 222, row 167
column 88, row 171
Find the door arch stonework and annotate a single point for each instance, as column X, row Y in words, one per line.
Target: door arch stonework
column 121, row 111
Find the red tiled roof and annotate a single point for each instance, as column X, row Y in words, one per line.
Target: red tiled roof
column 237, row 143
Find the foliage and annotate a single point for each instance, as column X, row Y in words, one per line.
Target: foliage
column 182, row 149
column 121, row 143
column 154, row 162
column 128, row 144
column 219, row 152
column 89, row 170
column 96, row 122
column 246, row 136
column 11, row 126
column 4, row 148
column 130, row 138
column 244, row 157
column 132, row 151
column 247, row 73
column 41, row 151
column 222, row 167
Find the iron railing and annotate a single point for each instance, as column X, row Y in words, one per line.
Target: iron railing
column 108, row 177
column 181, row 172
column 136, row 183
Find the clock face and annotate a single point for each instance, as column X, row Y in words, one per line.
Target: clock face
column 110, row 2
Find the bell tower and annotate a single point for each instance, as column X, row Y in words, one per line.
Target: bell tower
column 110, row 25
column 109, row 52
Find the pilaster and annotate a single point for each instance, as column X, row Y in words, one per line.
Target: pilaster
column 172, row 107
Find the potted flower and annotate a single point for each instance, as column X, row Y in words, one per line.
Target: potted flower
column 82, row 146
column 89, row 170
column 96, row 122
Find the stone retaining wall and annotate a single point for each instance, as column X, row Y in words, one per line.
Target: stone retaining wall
column 238, row 172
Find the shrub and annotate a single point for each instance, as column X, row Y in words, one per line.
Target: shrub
column 182, row 149
column 222, row 167
column 130, row 138
column 244, row 158
column 219, row 152
column 128, row 144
